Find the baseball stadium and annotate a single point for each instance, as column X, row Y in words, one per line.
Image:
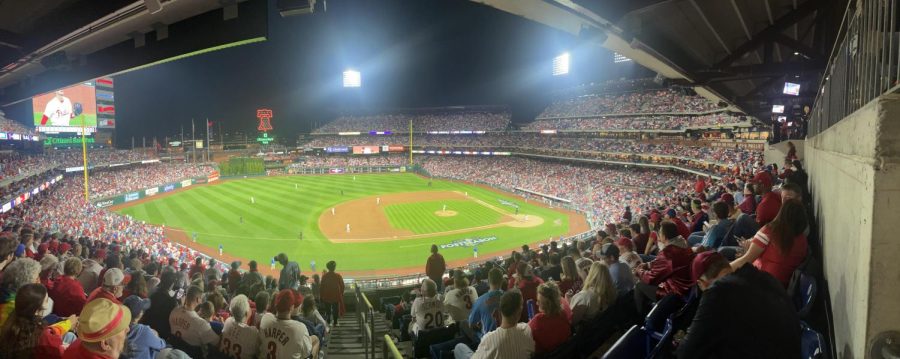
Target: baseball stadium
column 548, row 179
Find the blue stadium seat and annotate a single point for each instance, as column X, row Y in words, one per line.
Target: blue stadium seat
column 630, row 346
column 663, row 341
column 655, row 321
column 812, row 343
column 531, row 307
column 805, row 295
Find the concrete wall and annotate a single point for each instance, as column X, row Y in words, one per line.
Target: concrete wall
column 776, row 153
column 854, row 171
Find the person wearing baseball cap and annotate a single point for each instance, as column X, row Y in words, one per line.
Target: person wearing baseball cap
column 671, row 215
column 112, row 286
column 620, row 272
column 627, row 254
column 143, row 342
column 102, row 329
column 286, row 336
column 771, row 202
column 734, row 306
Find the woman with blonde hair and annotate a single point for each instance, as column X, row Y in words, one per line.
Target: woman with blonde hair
column 598, row 293
column 570, row 280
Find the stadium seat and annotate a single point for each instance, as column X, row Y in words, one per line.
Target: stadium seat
column 655, row 322
column 664, row 342
column 531, row 307
column 564, row 351
column 812, row 343
column 192, row 351
column 805, row 295
column 591, row 335
column 425, row 338
column 630, row 346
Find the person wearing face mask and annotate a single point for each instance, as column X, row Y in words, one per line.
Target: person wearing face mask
column 668, row 273
column 743, row 295
column 26, row 335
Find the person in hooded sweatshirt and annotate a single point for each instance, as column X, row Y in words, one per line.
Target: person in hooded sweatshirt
column 143, row 341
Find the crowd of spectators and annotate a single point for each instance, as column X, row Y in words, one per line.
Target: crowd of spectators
column 693, row 155
column 335, row 161
column 10, row 126
column 98, row 157
column 13, row 164
column 653, row 122
column 598, row 191
column 650, row 101
column 681, row 253
column 79, row 281
column 399, row 122
column 138, row 177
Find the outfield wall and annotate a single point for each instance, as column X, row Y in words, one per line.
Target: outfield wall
column 152, row 191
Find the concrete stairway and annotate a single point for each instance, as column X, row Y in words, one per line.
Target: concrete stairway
column 345, row 341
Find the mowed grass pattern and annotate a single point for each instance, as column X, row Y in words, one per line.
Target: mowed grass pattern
column 281, row 212
column 415, row 216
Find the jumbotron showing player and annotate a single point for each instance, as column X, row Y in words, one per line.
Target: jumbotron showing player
column 59, row 111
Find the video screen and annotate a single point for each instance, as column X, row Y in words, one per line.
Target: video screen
column 65, row 110
column 791, row 88
column 365, row 150
column 777, row 108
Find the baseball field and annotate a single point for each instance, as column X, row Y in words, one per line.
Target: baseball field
column 370, row 224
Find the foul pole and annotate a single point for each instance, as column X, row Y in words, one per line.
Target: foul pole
column 410, row 143
column 84, row 162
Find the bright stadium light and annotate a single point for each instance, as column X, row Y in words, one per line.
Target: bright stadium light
column 352, row 78
column 561, row 64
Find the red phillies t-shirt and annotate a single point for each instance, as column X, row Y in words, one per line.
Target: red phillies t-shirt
column 768, row 208
column 549, row 331
column 773, row 261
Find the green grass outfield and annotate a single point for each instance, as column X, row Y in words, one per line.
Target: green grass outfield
column 281, row 212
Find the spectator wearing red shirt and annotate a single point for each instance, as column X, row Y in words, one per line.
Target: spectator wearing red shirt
column 527, row 283
column 234, row 277
column 668, row 273
column 68, row 294
column 332, row 292
column 196, row 268
column 683, row 230
column 112, row 287
column 780, row 246
column 102, row 330
column 771, row 202
column 435, row 266
column 25, row 335
column 748, row 205
column 699, row 185
column 550, row 328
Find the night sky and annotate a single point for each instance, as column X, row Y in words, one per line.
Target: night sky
column 412, row 53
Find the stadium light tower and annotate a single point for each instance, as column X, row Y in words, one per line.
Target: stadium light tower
column 352, row 78
column 561, row 64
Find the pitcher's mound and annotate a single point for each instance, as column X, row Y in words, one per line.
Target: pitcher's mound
column 445, row 213
column 522, row 222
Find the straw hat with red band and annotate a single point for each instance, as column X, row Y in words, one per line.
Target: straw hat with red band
column 101, row 319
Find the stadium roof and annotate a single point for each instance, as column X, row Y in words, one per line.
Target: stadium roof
column 740, row 51
column 46, row 44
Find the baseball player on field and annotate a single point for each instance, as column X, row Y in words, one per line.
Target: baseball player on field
column 58, row 111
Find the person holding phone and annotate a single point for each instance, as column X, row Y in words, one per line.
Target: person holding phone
column 780, row 246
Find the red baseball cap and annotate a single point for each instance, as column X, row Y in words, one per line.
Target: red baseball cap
column 625, row 242
column 284, row 301
column 763, row 179
column 702, row 261
column 728, row 198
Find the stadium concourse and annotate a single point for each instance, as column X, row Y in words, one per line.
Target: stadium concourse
column 665, row 227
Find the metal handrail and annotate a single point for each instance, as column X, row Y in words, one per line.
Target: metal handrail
column 863, row 65
column 366, row 319
column 389, row 349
